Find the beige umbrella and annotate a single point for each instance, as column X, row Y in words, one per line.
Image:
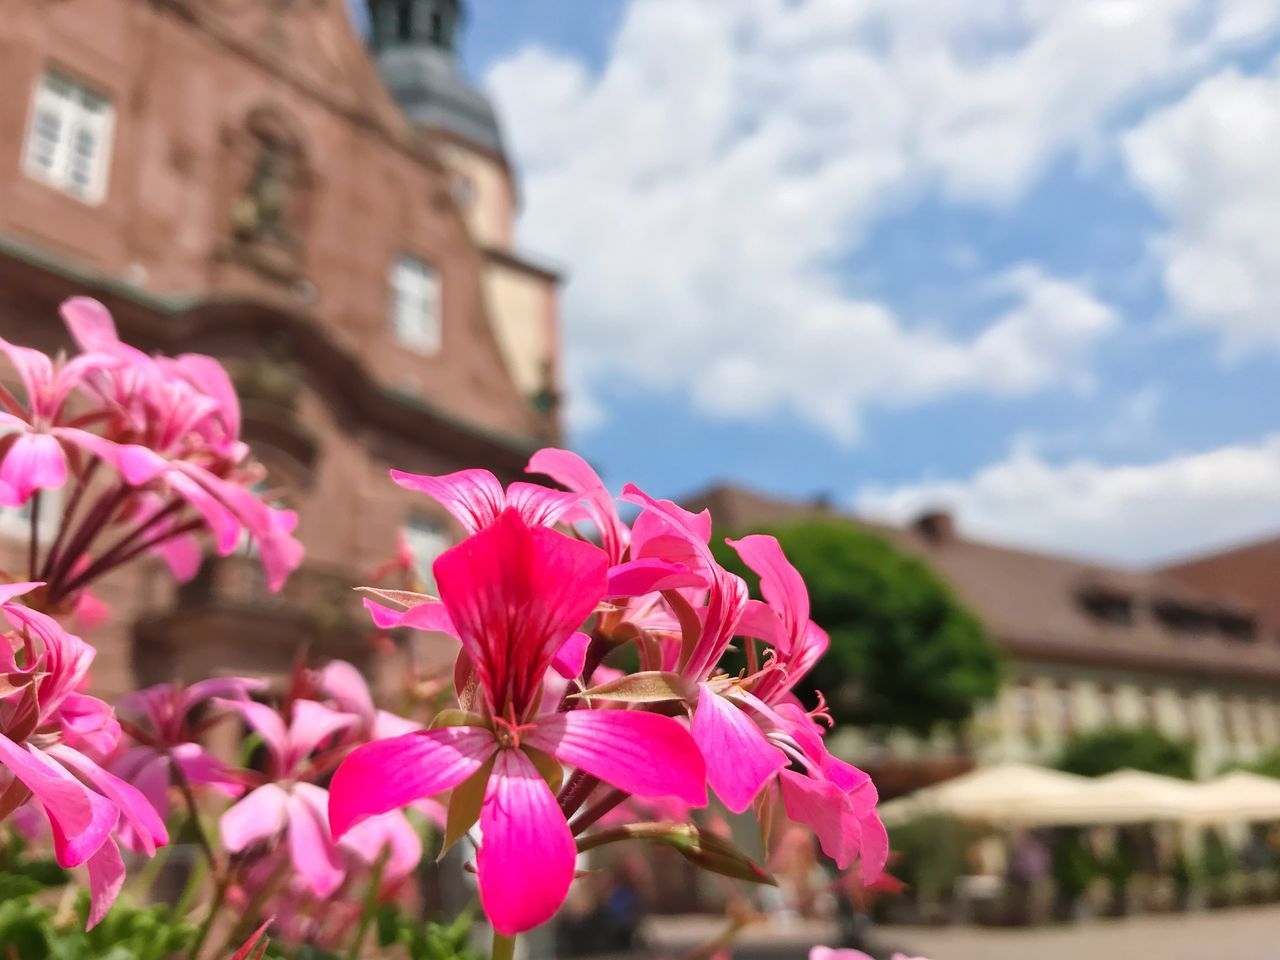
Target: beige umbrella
column 1126, row 796
column 1236, row 797
column 1001, row 793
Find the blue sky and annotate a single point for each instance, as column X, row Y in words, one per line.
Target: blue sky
column 1013, row 258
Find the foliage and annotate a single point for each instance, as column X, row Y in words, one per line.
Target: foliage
column 1074, row 865
column 904, row 651
column 1267, row 765
column 1110, row 749
column 932, row 854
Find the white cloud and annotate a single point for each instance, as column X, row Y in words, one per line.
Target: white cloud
column 1132, row 513
column 1209, row 163
column 705, row 182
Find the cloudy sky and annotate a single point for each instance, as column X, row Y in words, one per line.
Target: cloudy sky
column 1016, row 257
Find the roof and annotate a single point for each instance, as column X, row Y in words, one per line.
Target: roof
column 1038, row 605
column 433, row 92
column 1250, row 572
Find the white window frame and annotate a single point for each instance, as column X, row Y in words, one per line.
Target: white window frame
column 416, row 301
column 69, row 137
column 427, row 539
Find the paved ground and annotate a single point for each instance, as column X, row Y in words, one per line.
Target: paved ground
column 1244, row 934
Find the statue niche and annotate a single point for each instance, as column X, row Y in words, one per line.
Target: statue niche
column 271, row 196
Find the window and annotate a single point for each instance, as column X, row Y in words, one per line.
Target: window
column 69, row 141
column 415, row 304
column 427, row 540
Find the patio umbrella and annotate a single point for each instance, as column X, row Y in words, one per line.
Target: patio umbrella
column 1001, row 793
column 1126, row 796
column 1239, row 796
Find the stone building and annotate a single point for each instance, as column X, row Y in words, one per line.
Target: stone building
column 1086, row 646
column 333, row 219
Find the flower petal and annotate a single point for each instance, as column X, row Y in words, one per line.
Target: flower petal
column 106, row 877
column 821, row 806
column 259, row 816
column 388, row 774
column 527, row 854
column 645, row 754
column 311, row 848
column 474, row 497
column 80, row 818
column 739, row 758
column 572, row 656
column 34, row 462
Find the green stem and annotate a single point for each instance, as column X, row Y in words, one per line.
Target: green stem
column 370, row 908
column 504, row 948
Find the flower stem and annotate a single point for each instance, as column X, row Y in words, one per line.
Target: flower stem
column 598, row 810
column 34, row 549
column 370, row 908
column 504, row 948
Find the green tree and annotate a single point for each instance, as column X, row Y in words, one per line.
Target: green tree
column 904, row 651
column 1127, row 748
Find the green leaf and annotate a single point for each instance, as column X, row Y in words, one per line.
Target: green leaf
column 649, row 686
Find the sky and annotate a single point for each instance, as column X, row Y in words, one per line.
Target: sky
column 1014, row 258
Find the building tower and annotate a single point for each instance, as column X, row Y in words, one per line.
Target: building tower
column 415, row 43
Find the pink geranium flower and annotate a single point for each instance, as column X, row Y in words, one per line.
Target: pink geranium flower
column 165, row 740
column 515, row 593
column 287, row 805
column 47, row 732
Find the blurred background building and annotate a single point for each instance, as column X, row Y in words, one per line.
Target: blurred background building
column 1192, row 650
column 334, row 222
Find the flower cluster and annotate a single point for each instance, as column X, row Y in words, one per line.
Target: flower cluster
column 52, row 739
column 546, row 738
column 544, row 748
column 147, row 452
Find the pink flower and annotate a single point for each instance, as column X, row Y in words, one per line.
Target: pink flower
column 515, row 594
column 46, row 727
column 288, row 806
column 159, row 724
column 831, row 953
column 836, row 800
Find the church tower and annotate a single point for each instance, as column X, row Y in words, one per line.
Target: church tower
column 415, row 43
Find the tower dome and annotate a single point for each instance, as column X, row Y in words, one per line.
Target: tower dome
column 415, row 42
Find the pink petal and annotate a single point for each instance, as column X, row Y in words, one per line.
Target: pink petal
column 264, row 720
column 346, row 686
column 740, row 760
column 34, row 462
column 642, row 753
column 90, row 325
column 570, row 470
column 391, row 832
column 388, row 774
column 81, row 819
column 571, row 658
column 311, row 724
column 202, row 769
column 821, row 806
column 106, row 877
column 635, row 578
column 875, row 848
column 474, row 497
column 136, row 463
column 431, row 616
column 539, row 506
column 135, row 809
column 311, row 849
column 259, row 816
column 780, row 583
column 516, row 593
column 527, row 854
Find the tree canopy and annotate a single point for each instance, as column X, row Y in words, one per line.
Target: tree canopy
column 1110, row 749
column 904, row 651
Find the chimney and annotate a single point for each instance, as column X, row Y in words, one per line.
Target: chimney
column 936, row 525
